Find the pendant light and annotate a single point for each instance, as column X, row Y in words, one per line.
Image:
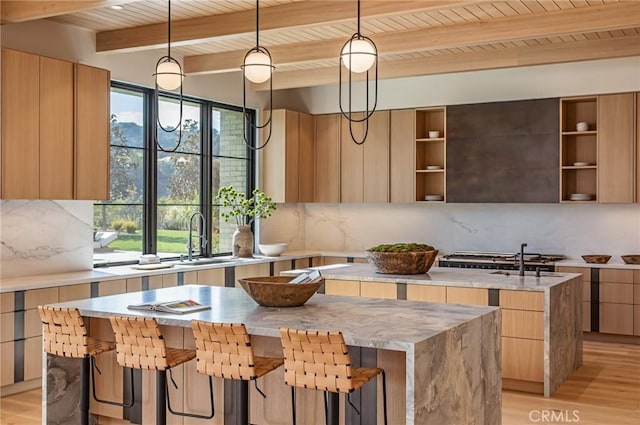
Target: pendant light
column 359, row 54
column 168, row 76
column 257, row 68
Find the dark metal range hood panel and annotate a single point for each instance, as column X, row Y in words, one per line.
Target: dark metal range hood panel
column 503, row 152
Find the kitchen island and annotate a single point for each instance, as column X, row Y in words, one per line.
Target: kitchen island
column 541, row 316
column 442, row 361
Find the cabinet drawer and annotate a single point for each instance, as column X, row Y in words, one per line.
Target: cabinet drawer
column 523, row 359
column 75, row 292
column 636, row 320
column 33, row 358
column 586, row 317
column 620, row 293
column 155, row 282
column 7, row 302
column 35, row 297
column 586, row 291
column 379, row 290
column 522, row 300
column 112, row 287
column 211, row 277
column 474, row 296
column 7, row 327
column 616, row 275
column 250, row 271
column 584, row 271
column 169, row 280
column 616, row 318
column 342, row 287
column 523, row 324
column 6, row 363
column 436, row 294
column 281, row 266
column 32, row 324
column 636, row 294
column 636, row 273
column 333, row 260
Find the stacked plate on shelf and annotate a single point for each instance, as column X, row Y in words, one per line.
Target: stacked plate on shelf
column 434, row 198
column 582, row 163
column 434, row 167
column 580, row 197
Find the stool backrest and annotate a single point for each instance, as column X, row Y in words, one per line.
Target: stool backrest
column 64, row 332
column 224, row 350
column 139, row 343
column 315, row 359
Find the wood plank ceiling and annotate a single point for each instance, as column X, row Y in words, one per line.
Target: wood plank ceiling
column 413, row 37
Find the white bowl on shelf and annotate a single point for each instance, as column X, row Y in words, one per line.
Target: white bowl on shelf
column 582, row 163
column 434, row 134
column 434, row 198
column 580, row 197
column 272, row 249
column 434, row 167
column 582, row 126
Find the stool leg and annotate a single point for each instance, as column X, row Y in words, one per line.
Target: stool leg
column 85, row 369
column 293, row 404
column 161, row 397
column 333, row 409
column 384, row 396
column 242, row 402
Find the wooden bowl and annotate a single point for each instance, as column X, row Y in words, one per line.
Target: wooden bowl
column 276, row 291
column 631, row 259
column 402, row 262
column 596, row 259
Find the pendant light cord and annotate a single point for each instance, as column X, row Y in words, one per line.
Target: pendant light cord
column 169, row 30
column 257, row 24
column 358, row 17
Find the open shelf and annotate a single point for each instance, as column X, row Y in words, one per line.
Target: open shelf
column 430, row 151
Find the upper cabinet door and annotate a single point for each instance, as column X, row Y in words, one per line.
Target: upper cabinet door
column 306, row 160
column 351, row 160
column 402, row 155
column 616, row 140
column 327, row 158
column 279, row 159
column 20, row 125
column 56, row 129
column 376, row 159
column 92, row 133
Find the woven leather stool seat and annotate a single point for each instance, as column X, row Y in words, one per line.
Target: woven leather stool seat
column 65, row 334
column 224, row 350
column 140, row 345
column 320, row 361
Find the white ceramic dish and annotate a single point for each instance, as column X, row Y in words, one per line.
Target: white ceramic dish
column 434, row 134
column 582, row 126
column 580, row 197
column 434, row 167
column 582, row 163
column 272, row 249
column 434, row 198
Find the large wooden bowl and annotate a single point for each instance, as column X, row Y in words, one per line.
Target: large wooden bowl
column 276, row 291
column 631, row 259
column 596, row 259
column 402, row 262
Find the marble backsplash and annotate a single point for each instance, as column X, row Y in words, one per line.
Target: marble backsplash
column 566, row 229
column 39, row 237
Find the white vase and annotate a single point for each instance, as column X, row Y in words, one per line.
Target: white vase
column 243, row 242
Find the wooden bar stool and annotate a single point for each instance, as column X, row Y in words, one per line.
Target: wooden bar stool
column 224, row 350
column 66, row 335
column 320, row 361
column 140, row 345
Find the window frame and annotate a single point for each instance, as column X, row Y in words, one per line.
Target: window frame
column 150, row 164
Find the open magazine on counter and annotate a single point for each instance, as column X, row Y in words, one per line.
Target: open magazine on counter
column 175, row 307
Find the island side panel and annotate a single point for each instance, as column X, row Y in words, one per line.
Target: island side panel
column 563, row 341
column 457, row 375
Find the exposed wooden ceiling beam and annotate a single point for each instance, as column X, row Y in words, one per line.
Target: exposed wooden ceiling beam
column 473, row 61
column 13, row 11
column 298, row 14
column 561, row 22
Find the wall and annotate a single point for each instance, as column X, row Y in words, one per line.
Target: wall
column 572, row 230
column 38, row 237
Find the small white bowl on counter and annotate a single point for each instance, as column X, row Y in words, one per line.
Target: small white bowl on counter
column 272, row 249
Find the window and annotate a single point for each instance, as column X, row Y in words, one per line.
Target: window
column 154, row 193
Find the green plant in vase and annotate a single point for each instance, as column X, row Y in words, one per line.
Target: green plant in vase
column 235, row 205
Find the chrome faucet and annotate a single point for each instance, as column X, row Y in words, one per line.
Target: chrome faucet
column 522, row 258
column 201, row 234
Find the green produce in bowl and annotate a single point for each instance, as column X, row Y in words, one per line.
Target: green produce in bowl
column 402, row 247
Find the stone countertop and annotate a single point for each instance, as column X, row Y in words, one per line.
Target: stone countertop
column 102, row 274
column 612, row 264
column 365, row 322
column 446, row 276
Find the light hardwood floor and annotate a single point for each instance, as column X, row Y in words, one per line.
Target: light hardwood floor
column 605, row 391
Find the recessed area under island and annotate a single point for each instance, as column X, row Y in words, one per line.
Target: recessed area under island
column 442, row 361
column 541, row 316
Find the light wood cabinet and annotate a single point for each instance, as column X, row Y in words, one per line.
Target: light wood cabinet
column 327, row 158
column 364, row 169
column 92, row 132
column 637, row 147
column 616, row 318
column 616, row 147
column 402, row 152
column 430, row 154
column 55, row 132
column 523, row 359
column 578, row 149
column 342, row 287
column 436, row 294
column 475, row 296
column 379, row 290
column 288, row 166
